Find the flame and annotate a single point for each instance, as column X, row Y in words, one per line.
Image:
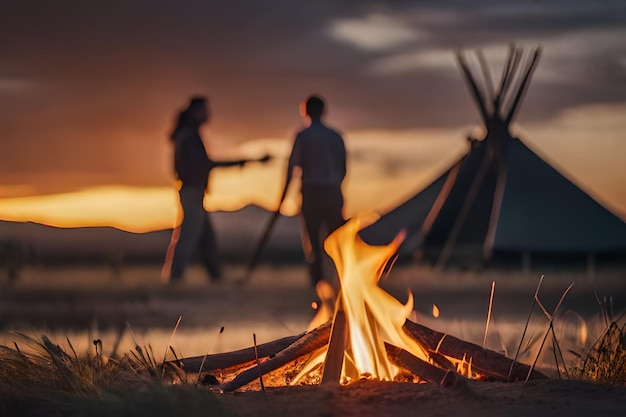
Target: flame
column 373, row 316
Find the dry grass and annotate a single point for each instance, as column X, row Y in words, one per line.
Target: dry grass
column 41, row 378
column 605, row 362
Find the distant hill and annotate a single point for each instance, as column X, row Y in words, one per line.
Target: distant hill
column 237, row 233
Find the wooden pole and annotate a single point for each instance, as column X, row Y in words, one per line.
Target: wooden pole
column 523, row 86
column 256, row 254
column 331, row 373
column 459, row 222
column 477, row 94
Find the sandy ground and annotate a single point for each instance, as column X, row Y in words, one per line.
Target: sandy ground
column 476, row 399
column 83, row 304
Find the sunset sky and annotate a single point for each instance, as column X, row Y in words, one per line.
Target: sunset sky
column 89, row 90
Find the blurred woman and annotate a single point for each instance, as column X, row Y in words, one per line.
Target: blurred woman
column 193, row 166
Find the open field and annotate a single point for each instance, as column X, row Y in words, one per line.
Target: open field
column 83, row 304
column 87, row 303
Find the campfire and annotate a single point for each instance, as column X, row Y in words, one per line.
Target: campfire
column 369, row 335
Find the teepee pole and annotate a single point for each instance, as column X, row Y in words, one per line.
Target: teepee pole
column 465, row 208
column 495, row 209
column 488, row 79
column 477, row 94
column 507, row 75
column 523, row 86
column 442, row 196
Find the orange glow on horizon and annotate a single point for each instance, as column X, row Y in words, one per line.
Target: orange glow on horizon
column 385, row 168
column 133, row 209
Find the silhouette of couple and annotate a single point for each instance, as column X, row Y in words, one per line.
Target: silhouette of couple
column 318, row 151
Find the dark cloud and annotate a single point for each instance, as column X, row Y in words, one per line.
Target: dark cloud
column 102, row 73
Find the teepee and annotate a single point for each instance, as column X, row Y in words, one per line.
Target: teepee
column 501, row 198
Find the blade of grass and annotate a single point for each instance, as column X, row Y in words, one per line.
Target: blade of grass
column 207, row 353
column 519, row 347
column 169, row 343
column 550, row 327
column 493, row 289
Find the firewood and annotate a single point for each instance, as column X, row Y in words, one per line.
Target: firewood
column 484, row 361
column 258, row 362
column 308, row 343
column 420, row 368
column 487, row 363
column 331, row 373
column 228, row 359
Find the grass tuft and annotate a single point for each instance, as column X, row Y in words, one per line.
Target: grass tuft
column 41, row 378
column 605, row 362
column 42, row 366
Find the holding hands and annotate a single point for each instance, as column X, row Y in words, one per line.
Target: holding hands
column 263, row 160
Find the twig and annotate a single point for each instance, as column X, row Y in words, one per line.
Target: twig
column 554, row 348
column 493, row 289
column 258, row 362
column 538, row 354
column 519, row 347
column 207, row 354
column 550, row 326
column 559, row 352
column 169, row 343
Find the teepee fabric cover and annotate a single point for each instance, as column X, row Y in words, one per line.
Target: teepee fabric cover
column 501, row 197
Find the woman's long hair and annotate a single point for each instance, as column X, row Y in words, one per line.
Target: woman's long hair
column 183, row 120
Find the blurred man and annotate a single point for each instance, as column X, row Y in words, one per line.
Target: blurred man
column 320, row 153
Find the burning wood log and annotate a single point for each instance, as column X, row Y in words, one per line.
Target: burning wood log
column 420, row 368
column 238, row 357
column 331, row 373
column 484, row 361
column 439, row 345
column 308, row 343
